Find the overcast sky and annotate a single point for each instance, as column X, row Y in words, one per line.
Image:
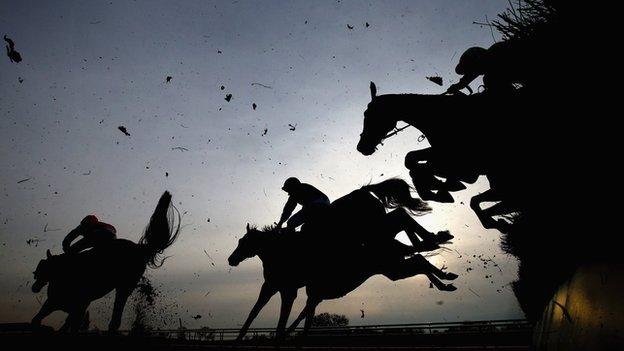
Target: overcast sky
column 89, row 67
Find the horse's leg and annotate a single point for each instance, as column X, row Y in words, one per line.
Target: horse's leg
column 305, row 313
column 501, row 208
column 66, row 325
column 419, row 265
column 288, row 298
column 475, row 203
column 266, row 292
column 44, row 311
column 76, row 318
column 121, row 296
column 400, row 220
column 310, row 315
column 438, row 283
column 297, row 320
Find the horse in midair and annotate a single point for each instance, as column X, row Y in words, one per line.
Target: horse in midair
column 468, row 137
column 76, row 280
column 356, row 242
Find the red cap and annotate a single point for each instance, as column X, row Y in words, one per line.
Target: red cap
column 89, row 220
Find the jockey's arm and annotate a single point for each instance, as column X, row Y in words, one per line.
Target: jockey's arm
column 290, row 206
column 71, row 237
column 464, row 82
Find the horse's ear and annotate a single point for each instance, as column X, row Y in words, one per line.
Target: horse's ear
column 248, row 227
column 48, row 253
column 373, row 89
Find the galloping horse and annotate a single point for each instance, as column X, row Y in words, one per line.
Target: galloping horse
column 74, row 281
column 357, row 242
column 468, row 137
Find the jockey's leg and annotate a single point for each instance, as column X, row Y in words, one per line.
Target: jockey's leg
column 297, row 219
column 80, row 245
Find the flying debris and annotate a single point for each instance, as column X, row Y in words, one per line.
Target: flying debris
column 367, row 25
column 123, row 130
column 179, row 148
column 197, row 317
column 228, row 97
column 33, row 242
column 292, row 127
column 265, row 131
column 262, row 85
column 254, row 106
column 168, row 79
column 362, row 311
column 20, row 79
column 13, row 55
column 222, row 87
column 349, row 26
column 436, row 79
column 24, row 180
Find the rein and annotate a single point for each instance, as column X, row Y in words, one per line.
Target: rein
column 397, row 130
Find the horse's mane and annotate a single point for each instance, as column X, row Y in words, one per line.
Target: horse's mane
column 396, row 193
column 267, row 229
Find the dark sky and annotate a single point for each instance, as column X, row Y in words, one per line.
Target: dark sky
column 89, row 67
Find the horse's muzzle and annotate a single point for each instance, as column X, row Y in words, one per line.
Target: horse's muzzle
column 233, row 261
column 365, row 150
column 38, row 285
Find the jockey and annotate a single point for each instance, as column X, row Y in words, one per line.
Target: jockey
column 93, row 232
column 499, row 66
column 313, row 203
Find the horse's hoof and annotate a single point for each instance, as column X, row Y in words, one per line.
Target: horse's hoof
column 443, row 236
column 448, row 287
column 450, row 276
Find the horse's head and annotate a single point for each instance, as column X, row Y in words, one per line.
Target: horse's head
column 43, row 273
column 376, row 124
column 248, row 246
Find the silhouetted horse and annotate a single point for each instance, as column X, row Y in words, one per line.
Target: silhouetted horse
column 467, row 138
column 357, row 242
column 74, row 281
column 291, row 261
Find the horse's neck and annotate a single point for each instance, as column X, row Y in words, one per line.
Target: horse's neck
column 280, row 252
column 408, row 108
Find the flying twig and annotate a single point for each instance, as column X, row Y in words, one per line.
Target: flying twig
column 262, row 85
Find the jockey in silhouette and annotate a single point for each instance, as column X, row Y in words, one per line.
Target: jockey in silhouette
column 501, row 67
column 313, row 203
column 93, row 232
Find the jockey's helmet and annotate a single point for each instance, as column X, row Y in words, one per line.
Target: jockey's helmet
column 291, row 184
column 471, row 60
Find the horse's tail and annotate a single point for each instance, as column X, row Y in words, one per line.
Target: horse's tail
column 161, row 231
column 395, row 193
